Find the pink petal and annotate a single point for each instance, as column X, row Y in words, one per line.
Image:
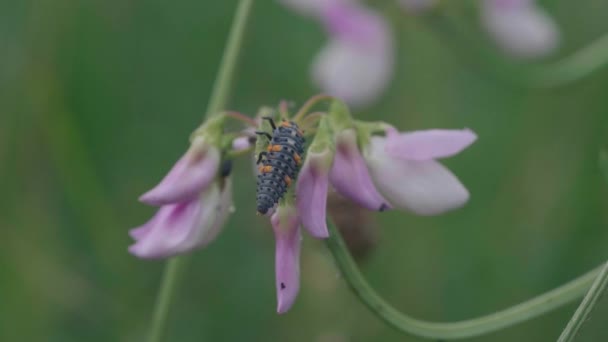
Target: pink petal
column 287, row 258
column 188, row 177
column 311, row 193
column 429, row 144
column 520, row 27
column 356, row 65
column 350, row 176
column 424, row 187
column 180, row 228
column 166, row 232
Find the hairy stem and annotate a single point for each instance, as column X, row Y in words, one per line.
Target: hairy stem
column 453, row 330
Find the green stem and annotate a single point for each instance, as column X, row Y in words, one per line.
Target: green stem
column 217, row 102
column 574, row 67
column 582, row 313
column 456, row 330
column 221, row 87
column 166, row 293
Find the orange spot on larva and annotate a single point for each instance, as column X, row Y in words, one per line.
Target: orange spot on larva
column 298, row 159
column 287, row 180
column 267, row 168
column 276, row 148
column 269, row 148
column 261, row 168
column 286, row 124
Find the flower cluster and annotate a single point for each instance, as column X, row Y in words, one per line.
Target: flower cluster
column 371, row 163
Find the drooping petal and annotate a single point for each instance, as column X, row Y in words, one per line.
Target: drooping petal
column 349, row 174
column 179, row 228
column 311, row 192
column 423, row 187
column 520, row 27
column 189, row 176
column 428, row 144
column 286, row 228
column 357, row 62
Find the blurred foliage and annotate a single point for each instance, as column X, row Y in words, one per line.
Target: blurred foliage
column 97, row 99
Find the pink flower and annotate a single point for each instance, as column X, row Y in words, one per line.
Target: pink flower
column 356, row 64
column 520, row 27
column 286, row 226
column 404, row 170
column 350, row 176
column 311, row 192
column 181, row 227
column 194, row 204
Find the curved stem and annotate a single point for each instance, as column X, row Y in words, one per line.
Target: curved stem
column 574, row 67
column 217, row 102
column 570, row 69
column 584, row 310
column 456, row 330
column 308, row 105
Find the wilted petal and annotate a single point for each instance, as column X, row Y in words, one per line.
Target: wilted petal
column 311, row 192
column 179, row 228
column 188, row 177
column 350, row 176
column 424, row 187
column 428, row 144
column 357, row 62
column 286, row 228
column 520, row 27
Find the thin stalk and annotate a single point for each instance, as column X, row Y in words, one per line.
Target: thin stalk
column 454, row 330
column 217, row 102
column 584, row 310
column 166, row 293
column 225, row 75
column 309, row 104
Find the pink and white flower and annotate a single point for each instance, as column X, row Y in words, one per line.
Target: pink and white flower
column 404, row 169
column 194, row 205
column 521, row 28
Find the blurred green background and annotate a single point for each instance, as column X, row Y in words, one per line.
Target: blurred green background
column 97, row 99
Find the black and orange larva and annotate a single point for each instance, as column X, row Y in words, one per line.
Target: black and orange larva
column 279, row 165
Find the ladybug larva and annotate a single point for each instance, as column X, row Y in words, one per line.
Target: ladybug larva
column 279, row 164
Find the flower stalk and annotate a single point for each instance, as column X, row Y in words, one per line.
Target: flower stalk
column 217, row 102
column 454, row 330
column 586, row 307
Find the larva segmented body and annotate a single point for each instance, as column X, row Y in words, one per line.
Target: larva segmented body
column 280, row 164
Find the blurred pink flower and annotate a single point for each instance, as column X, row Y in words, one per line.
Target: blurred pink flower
column 357, row 63
column 520, row 27
column 404, row 170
